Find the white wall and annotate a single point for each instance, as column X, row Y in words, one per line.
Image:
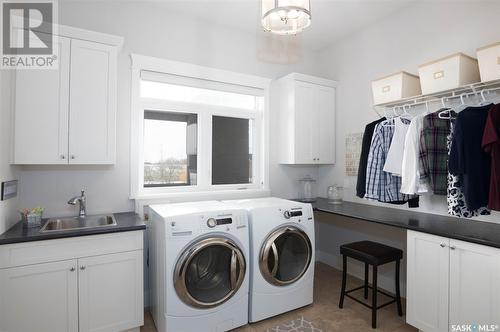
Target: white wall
column 151, row 30
column 413, row 36
column 332, row 231
column 420, row 33
column 8, row 208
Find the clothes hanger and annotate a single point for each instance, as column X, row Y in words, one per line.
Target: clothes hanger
column 427, row 110
column 483, row 102
column 390, row 122
column 406, row 115
column 445, row 114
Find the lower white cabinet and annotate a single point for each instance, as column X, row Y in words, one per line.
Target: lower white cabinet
column 39, row 298
column 85, row 293
column 451, row 283
column 427, row 281
column 110, row 292
column 474, row 284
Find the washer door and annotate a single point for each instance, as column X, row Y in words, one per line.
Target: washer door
column 285, row 256
column 209, row 272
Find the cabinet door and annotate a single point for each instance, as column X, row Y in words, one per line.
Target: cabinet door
column 111, row 292
column 474, row 284
column 324, row 125
column 305, row 112
column 427, row 281
column 39, row 298
column 92, row 103
column 41, row 112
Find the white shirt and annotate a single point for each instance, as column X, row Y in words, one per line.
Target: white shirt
column 393, row 163
column 410, row 174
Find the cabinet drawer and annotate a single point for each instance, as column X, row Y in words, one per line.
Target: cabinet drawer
column 68, row 248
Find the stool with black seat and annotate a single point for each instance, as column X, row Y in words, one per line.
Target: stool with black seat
column 374, row 254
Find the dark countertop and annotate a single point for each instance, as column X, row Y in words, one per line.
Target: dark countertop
column 485, row 233
column 125, row 222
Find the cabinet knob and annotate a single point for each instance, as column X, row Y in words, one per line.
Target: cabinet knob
column 442, row 245
column 72, row 269
column 82, row 267
column 453, row 247
column 63, row 156
column 73, row 156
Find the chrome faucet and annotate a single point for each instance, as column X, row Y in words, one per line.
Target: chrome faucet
column 82, row 199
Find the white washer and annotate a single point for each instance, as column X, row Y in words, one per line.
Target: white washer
column 281, row 254
column 198, row 254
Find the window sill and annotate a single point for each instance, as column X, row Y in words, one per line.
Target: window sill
column 202, row 195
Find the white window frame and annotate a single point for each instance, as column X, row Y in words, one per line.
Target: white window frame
column 203, row 188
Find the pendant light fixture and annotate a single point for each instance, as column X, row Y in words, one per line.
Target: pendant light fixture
column 286, row 17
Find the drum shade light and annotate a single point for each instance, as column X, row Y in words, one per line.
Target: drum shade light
column 286, row 17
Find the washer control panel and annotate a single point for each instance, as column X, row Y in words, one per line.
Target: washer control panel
column 212, row 222
column 191, row 225
column 223, row 222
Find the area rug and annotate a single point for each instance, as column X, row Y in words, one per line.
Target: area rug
column 296, row 325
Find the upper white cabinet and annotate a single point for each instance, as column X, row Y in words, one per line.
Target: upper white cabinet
column 41, row 112
column 92, row 103
column 67, row 116
column 451, row 282
column 307, row 119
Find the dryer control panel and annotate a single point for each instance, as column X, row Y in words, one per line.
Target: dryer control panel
column 297, row 214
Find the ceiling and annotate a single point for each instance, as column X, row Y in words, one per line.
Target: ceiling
column 331, row 19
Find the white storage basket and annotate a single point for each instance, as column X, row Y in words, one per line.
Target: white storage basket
column 448, row 73
column 489, row 62
column 395, row 87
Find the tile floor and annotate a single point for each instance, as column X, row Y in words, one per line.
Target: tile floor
column 324, row 313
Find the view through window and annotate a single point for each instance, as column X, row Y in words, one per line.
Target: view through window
column 170, row 150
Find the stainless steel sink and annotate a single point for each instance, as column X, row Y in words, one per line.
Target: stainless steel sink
column 68, row 224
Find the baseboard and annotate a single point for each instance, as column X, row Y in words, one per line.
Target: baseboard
column 328, row 259
column 356, row 269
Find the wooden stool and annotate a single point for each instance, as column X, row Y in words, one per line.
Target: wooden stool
column 375, row 254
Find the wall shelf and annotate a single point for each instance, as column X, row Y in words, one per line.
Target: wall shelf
column 476, row 89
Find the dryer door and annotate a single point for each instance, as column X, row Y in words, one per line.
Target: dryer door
column 209, row 272
column 285, row 256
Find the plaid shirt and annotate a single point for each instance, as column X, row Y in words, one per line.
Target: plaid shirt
column 433, row 159
column 382, row 186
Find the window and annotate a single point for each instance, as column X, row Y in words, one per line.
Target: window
column 159, row 90
column 170, row 149
column 197, row 134
column 231, row 150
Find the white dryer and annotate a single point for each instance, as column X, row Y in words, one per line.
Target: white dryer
column 198, row 266
column 281, row 255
